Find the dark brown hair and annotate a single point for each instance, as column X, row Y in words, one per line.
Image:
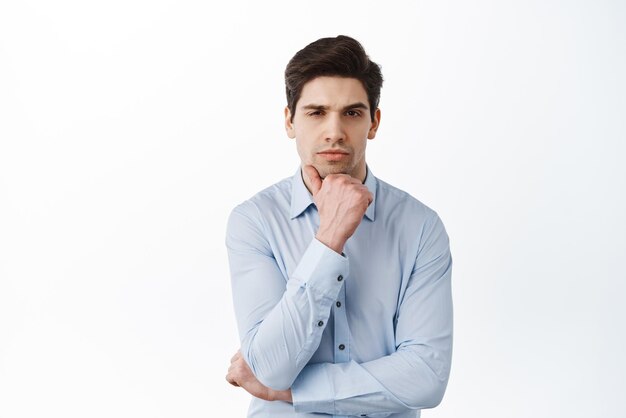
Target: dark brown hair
column 341, row 56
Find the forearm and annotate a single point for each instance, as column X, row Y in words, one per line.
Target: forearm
column 407, row 379
column 280, row 345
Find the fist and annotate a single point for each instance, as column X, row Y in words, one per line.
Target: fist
column 239, row 374
column 341, row 201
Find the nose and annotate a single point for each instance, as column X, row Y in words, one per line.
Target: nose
column 334, row 129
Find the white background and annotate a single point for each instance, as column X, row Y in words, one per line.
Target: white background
column 130, row 129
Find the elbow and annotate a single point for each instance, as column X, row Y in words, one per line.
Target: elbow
column 275, row 381
column 276, row 375
column 429, row 369
column 429, row 396
column 435, row 396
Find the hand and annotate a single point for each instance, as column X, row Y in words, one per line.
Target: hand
column 341, row 201
column 239, row 374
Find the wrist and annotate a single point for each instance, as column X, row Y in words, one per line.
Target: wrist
column 281, row 395
column 334, row 243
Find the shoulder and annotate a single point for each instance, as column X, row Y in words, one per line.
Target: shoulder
column 395, row 201
column 276, row 197
column 416, row 224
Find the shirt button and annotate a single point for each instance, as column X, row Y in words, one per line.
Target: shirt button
column 341, row 346
column 319, row 324
column 338, row 304
column 340, row 278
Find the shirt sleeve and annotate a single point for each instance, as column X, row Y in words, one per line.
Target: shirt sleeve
column 280, row 319
column 415, row 376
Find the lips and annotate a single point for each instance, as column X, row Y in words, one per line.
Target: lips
column 333, row 155
column 333, row 152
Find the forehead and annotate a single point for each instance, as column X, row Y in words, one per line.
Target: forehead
column 332, row 92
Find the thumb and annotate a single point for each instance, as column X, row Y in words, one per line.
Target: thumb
column 314, row 178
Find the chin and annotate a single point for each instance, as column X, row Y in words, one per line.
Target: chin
column 332, row 169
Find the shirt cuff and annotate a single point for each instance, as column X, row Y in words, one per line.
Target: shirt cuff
column 321, row 269
column 313, row 391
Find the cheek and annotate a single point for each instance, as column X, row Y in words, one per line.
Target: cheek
column 359, row 137
column 303, row 150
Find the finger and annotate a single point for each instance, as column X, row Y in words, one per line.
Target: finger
column 366, row 193
column 231, row 381
column 363, row 189
column 314, row 178
column 235, row 357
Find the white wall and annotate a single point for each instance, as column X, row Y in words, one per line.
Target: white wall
column 129, row 129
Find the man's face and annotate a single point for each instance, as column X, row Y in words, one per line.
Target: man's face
column 332, row 124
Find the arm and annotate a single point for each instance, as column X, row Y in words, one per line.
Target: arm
column 416, row 374
column 280, row 322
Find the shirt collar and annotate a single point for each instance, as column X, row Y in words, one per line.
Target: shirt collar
column 301, row 199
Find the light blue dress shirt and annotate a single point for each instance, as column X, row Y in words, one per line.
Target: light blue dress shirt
column 366, row 333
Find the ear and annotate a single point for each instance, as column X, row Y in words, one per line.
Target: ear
column 291, row 131
column 375, row 124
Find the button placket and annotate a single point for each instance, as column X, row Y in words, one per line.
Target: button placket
column 341, row 331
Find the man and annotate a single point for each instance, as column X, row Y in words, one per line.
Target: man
column 341, row 282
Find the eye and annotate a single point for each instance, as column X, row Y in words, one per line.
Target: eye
column 315, row 113
column 353, row 113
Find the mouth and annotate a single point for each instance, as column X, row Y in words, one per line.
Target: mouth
column 333, row 155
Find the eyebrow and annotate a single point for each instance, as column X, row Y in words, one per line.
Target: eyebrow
column 357, row 105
